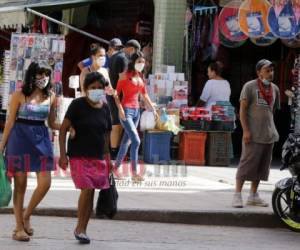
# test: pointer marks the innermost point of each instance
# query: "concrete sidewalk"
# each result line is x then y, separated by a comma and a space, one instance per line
203, 196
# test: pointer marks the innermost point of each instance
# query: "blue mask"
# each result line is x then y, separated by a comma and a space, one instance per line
266, 82
97, 95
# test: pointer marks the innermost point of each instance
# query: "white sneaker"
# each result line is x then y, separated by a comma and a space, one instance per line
255, 200
237, 200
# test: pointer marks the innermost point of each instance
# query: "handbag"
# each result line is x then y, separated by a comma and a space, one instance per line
108, 200
5, 186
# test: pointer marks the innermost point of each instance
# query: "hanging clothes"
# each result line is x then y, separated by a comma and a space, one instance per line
215, 40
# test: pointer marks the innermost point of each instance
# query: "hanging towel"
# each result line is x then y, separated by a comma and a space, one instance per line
282, 19
253, 17
229, 22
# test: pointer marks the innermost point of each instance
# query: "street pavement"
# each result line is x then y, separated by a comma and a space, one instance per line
192, 195
53, 233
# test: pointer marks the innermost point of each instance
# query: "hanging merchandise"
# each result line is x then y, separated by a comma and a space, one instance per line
4, 88
26, 48
296, 6
282, 19
215, 40
228, 43
229, 22
253, 17
264, 41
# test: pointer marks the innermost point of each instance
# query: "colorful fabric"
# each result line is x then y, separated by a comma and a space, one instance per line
253, 17
228, 43
229, 22
89, 173
35, 112
282, 19
267, 94
267, 40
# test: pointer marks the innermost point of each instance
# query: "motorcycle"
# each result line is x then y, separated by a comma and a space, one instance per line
286, 196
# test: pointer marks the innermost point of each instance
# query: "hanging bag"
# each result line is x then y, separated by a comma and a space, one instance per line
5, 186
108, 200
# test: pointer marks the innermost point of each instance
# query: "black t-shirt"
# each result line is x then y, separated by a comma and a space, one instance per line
91, 125
117, 64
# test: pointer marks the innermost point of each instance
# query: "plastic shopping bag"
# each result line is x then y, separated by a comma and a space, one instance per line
147, 121
5, 186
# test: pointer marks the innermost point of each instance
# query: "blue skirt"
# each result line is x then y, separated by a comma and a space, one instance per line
29, 149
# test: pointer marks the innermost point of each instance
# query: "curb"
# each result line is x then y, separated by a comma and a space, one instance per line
216, 218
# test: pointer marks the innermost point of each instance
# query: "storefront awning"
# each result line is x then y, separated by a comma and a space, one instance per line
12, 11
66, 25
49, 5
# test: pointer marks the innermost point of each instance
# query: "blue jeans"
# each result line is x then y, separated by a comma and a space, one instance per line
130, 137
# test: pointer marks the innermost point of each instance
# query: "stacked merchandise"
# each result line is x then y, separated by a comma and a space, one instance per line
223, 117
4, 86
194, 118
168, 88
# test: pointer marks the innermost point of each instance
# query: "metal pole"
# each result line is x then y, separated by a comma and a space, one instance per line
66, 25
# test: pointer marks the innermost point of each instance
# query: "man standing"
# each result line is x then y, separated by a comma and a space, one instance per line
117, 64
132, 46
258, 101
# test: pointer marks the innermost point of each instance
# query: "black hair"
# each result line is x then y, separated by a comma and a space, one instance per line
36, 68
133, 59
216, 67
94, 48
92, 77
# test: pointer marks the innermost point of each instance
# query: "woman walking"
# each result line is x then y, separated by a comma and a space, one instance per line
27, 143
132, 86
98, 60
88, 150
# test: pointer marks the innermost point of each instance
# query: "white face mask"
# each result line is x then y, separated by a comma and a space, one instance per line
42, 83
101, 61
139, 67
266, 82
97, 95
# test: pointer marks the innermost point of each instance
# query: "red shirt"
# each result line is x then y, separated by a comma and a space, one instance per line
131, 88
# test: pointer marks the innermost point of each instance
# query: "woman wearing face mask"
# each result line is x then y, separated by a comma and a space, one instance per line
88, 151
98, 55
132, 86
27, 143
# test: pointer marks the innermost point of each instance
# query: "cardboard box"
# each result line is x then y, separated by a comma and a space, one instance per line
180, 77
172, 76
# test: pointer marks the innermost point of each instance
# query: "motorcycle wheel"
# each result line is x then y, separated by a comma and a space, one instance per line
281, 204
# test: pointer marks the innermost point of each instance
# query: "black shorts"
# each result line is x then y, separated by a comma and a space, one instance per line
113, 110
